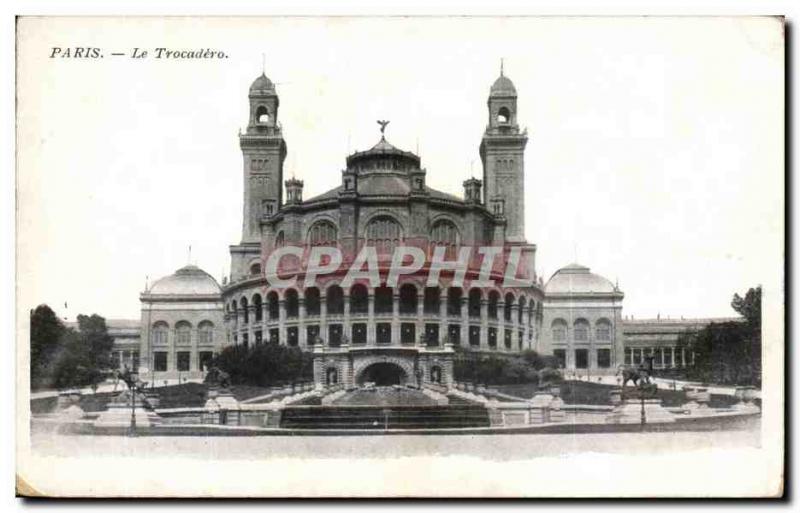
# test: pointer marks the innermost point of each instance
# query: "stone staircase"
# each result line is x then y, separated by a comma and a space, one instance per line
380, 418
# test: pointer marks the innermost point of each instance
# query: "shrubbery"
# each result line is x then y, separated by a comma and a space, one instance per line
63, 357
265, 365
527, 367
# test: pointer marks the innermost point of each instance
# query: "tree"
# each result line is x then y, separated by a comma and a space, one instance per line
265, 364
729, 352
83, 357
47, 331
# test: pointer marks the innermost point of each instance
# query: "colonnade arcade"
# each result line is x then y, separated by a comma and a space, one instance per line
408, 315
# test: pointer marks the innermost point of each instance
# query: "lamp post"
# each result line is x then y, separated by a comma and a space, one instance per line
134, 377
131, 379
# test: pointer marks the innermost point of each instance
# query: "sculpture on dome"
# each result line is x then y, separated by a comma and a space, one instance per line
383, 123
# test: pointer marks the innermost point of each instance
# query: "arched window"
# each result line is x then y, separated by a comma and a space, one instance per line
494, 298
503, 115
273, 307
444, 233
603, 329
581, 330
312, 301
258, 312
408, 299
432, 300
522, 303
205, 332
509, 302
245, 310
383, 300
279, 239
359, 302
255, 269
292, 303
160, 332
322, 233
559, 328
262, 115
454, 301
474, 303
183, 333
384, 233
334, 300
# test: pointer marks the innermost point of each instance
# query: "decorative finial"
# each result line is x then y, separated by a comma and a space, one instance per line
501, 66
383, 123
263, 63
190, 255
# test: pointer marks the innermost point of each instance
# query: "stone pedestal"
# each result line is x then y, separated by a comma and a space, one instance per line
615, 396
630, 412
67, 399
221, 408
745, 404
118, 413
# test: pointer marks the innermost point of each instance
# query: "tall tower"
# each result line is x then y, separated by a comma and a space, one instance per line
502, 153
263, 152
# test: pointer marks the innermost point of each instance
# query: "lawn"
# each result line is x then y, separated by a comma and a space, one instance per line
582, 392
187, 395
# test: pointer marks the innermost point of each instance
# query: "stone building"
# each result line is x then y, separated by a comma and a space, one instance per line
181, 325
366, 331
405, 332
582, 320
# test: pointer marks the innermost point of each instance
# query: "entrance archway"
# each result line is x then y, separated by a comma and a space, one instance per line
383, 374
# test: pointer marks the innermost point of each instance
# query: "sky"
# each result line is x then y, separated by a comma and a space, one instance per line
655, 151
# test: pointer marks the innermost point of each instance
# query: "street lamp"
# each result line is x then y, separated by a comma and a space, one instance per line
131, 379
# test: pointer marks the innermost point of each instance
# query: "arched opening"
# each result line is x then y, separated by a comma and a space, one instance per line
205, 333
521, 311
436, 374
503, 115
334, 300
262, 115
257, 310
331, 376
245, 310
358, 299
383, 374
383, 300
408, 299
494, 298
322, 233
559, 329
509, 302
384, 233
292, 303
160, 332
603, 329
312, 301
454, 301
444, 233
475, 303
581, 330
432, 298
272, 306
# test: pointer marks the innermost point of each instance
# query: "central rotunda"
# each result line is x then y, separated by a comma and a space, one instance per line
365, 331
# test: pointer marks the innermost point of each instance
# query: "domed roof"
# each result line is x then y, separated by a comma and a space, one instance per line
384, 149
189, 280
503, 86
576, 279
262, 84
